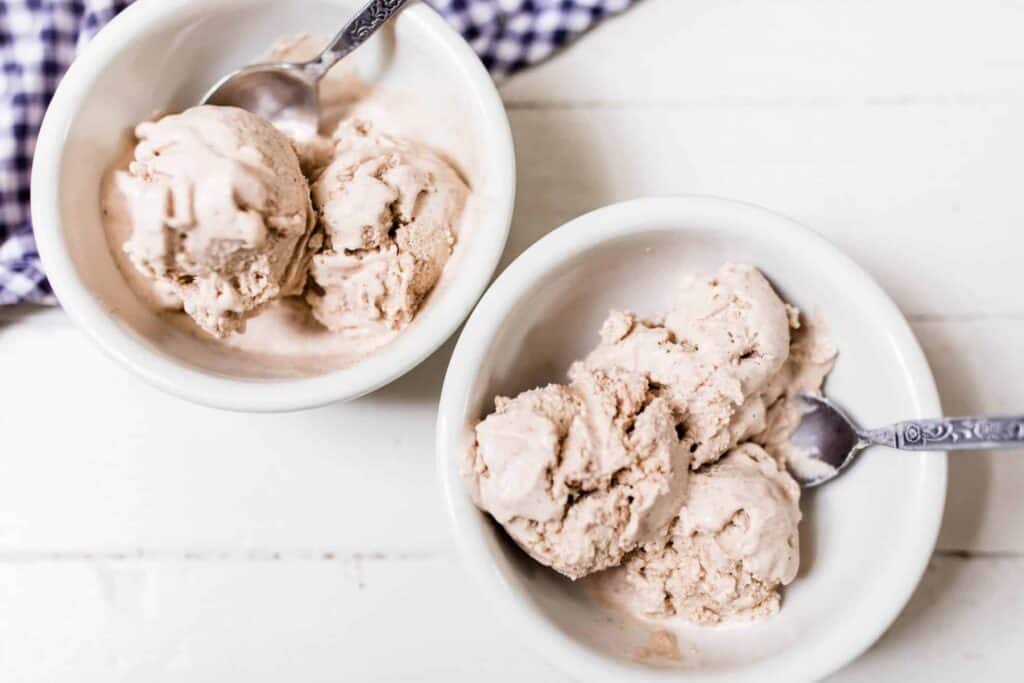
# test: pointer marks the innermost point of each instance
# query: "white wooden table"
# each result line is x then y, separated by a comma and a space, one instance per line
144, 538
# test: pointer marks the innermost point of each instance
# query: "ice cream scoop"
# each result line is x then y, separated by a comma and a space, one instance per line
221, 218
287, 94
826, 441
580, 474
389, 209
732, 546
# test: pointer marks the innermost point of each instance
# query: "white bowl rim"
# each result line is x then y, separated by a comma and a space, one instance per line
574, 238
254, 394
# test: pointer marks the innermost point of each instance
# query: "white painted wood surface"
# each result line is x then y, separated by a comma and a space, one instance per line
143, 538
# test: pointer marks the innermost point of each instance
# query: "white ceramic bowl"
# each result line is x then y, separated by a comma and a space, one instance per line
162, 55
866, 537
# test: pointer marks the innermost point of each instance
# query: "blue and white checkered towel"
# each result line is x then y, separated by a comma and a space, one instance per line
39, 38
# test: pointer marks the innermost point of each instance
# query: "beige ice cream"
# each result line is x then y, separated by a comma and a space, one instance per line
389, 210
715, 354
724, 367
221, 217
731, 547
581, 474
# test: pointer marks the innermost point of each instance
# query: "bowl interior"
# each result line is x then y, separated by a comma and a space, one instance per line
162, 55
859, 533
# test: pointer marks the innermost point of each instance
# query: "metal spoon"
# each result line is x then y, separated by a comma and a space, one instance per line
286, 94
827, 441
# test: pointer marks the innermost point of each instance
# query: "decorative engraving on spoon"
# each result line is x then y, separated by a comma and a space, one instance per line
961, 431
825, 433
375, 14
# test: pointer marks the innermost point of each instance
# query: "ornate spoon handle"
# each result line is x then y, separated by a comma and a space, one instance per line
364, 24
949, 434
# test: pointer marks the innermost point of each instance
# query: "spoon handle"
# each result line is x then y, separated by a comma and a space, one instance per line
950, 434
364, 24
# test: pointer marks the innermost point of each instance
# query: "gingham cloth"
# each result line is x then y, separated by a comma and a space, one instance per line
39, 38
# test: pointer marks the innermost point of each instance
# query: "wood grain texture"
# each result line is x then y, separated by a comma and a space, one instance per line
101, 461
320, 620
792, 52
961, 624
908, 192
376, 619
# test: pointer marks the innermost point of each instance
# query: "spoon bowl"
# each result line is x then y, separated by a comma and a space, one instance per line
825, 442
285, 94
